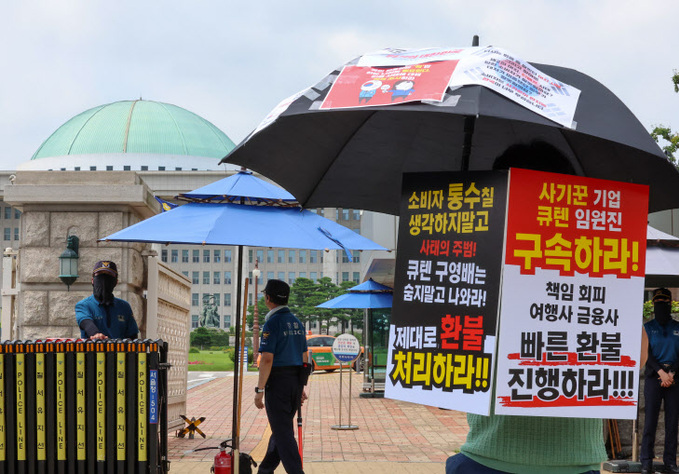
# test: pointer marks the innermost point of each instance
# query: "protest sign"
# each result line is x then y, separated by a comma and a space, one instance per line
572, 295
446, 291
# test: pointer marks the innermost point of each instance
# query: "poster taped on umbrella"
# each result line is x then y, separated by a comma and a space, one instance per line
446, 293
358, 86
572, 293
496, 69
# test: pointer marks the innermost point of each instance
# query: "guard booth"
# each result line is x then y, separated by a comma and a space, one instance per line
376, 342
71, 406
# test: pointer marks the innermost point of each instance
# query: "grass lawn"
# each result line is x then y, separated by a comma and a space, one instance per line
209, 361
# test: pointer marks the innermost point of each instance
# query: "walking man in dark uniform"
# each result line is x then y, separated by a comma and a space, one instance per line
660, 387
284, 358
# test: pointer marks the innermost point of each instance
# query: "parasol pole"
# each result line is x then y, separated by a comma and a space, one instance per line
236, 398
241, 355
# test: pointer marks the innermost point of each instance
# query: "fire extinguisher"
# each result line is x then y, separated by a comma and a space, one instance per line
222, 464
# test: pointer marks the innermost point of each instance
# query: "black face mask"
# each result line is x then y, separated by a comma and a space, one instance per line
103, 288
662, 311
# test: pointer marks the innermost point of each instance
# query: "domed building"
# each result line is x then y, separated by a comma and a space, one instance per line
170, 150
133, 135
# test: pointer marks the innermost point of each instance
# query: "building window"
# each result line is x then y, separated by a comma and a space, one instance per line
291, 256
250, 278
206, 256
251, 257
345, 257
163, 255
206, 278
8, 213
206, 298
227, 321
302, 274
260, 256
281, 276
227, 278
313, 276
313, 256
17, 214
109, 168
345, 214
357, 214
77, 168
185, 256
93, 168
174, 256
217, 299
195, 277
127, 168
227, 256
269, 276
216, 278
302, 256
196, 256
16, 233
161, 168
194, 299
281, 256
345, 276
291, 277
144, 168
269, 256
178, 168
194, 321
217, 256
356, 255
357, 277
186, 274
227, 299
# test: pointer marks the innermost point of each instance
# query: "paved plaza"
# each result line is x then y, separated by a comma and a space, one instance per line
392, 436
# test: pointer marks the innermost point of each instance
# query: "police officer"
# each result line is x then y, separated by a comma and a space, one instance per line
284, 358
660, 387
102, 315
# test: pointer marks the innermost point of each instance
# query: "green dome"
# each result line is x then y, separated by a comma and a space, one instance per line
137, 126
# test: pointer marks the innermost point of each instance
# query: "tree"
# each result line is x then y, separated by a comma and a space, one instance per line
670, 139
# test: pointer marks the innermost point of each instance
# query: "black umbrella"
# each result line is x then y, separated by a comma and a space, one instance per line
355, 157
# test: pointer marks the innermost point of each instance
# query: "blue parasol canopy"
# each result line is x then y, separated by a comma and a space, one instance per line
237, 224
242, 188
367, 295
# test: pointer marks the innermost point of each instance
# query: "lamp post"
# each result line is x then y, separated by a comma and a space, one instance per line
68, 262
255, 313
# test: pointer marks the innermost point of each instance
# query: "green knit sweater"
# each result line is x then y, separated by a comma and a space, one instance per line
535, 445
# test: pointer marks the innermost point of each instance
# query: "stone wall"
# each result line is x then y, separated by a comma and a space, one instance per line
90, 206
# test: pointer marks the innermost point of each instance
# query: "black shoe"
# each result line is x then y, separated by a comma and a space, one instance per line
646, 470
672, 469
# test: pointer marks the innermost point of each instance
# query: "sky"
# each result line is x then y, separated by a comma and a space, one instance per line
232, 62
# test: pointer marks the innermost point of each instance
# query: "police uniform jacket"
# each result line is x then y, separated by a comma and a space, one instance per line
283, 335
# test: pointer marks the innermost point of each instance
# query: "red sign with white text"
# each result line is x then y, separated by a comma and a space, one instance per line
572, 293
358, 86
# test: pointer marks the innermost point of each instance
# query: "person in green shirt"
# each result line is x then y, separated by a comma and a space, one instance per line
499, 444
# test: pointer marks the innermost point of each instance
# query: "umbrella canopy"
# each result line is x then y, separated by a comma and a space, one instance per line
662, 267
355, 157
242, 188
236, 224
662, 259
209, 221
367, 295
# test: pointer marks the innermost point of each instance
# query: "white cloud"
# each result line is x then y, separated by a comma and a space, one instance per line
233, 61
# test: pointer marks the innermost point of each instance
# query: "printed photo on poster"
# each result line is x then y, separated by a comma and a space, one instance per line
358, 86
